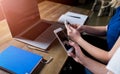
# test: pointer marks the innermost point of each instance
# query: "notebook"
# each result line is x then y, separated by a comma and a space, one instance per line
25, 24
18, 61
73, 18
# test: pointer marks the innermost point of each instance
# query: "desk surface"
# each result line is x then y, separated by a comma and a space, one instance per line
48, 11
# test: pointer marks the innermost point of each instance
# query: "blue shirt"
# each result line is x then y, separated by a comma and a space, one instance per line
113, 30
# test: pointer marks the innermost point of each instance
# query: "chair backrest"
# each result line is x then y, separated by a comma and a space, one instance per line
20, 14
113, 3
117, 4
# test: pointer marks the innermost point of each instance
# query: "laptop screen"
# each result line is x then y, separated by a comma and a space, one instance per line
34, 31
25, 23
20, 15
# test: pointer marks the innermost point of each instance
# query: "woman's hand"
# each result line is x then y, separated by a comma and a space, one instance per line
72, 32
78, 27
77, 55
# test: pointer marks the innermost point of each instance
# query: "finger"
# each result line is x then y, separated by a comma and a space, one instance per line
75, 26
78, 27
71, 28
75, 45
68, 29
71, 42
66, 24
70, 54
76, 59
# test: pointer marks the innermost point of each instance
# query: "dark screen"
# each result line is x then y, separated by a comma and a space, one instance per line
64, 39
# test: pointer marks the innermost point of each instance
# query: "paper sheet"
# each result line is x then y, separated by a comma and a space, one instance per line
73, 18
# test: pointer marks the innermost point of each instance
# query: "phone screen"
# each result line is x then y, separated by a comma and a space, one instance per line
64, 39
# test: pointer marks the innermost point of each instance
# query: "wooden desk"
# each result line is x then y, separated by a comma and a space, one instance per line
48, 11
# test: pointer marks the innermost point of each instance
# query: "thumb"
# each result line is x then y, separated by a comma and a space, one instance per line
73, 44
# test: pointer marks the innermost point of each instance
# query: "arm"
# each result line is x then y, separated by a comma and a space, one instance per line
96, 52
94, 30
94, 66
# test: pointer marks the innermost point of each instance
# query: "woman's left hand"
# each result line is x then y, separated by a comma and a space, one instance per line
77, 55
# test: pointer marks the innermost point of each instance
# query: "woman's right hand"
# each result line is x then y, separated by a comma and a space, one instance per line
72, 32
78, 27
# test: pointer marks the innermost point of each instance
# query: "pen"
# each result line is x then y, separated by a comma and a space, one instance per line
31, 47
74, 16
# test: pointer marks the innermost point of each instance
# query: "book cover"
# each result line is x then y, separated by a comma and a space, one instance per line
73, 18
19, 61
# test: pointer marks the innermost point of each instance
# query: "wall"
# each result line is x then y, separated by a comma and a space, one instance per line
1, 14
82, 1
39, 1
68, 2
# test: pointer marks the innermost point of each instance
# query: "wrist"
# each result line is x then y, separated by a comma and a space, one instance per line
78, 39
82, 58
83, 28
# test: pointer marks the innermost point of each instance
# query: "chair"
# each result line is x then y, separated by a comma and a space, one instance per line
110, 3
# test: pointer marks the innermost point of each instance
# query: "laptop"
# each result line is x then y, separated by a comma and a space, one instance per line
25, 24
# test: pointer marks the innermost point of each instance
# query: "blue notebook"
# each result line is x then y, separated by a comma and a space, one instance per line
19, 61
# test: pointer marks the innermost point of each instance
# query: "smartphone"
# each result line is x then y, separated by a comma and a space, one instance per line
63, 39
